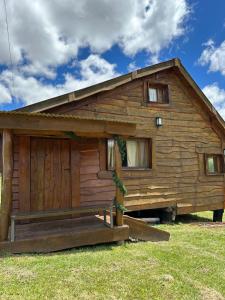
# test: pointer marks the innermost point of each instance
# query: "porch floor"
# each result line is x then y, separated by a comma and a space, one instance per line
57, 235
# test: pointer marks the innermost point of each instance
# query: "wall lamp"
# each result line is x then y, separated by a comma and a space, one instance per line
158, 122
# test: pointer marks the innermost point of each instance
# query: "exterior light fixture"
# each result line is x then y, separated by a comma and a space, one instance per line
158, 121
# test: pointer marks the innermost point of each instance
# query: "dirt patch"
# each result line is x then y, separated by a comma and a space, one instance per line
210, 294
209, 224
20, 273
167, 278
153, 262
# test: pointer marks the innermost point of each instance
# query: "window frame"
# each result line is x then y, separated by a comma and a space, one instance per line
149, 140
219, 162
163, 86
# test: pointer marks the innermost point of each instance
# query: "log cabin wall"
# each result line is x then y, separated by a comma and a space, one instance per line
15, 179
178, 171
0, 166
1, 154
51, 173
92, 189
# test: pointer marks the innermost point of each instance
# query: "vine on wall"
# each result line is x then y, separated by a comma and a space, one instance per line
118, 182
122, 146
119, 206
72, 135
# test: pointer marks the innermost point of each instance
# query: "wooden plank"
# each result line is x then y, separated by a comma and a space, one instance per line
6, 192
66, 191
140, 230
57, 174
49, 185
37, 174
75, 174
182, 209
88, 236
102, 154
146, 206
50, 174
1, 152
60, 212
24, 173
81, 127
119, 195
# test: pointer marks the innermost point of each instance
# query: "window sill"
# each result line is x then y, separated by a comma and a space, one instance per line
127, 173
156, 104
149, 103
215, 174
135, 169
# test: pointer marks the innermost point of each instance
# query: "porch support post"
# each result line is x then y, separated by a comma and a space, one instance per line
119, 195
6, 193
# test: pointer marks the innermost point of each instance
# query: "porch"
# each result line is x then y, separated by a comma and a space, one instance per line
55, 235
51, 163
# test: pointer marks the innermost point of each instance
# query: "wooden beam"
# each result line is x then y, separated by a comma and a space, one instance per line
139, 229
222, 149
84, 127
7, 169
75, 174
119, 195
82, 233
24, 173
183, 210
102, 154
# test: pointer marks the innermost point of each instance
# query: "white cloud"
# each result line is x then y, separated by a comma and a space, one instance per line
132, 67
94, 69
36, 68
5, 96
214, 57
155, 28
49, 33
217, 96
154, 59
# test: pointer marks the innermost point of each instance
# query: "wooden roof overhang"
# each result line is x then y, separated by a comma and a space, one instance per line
175, 64
54, 124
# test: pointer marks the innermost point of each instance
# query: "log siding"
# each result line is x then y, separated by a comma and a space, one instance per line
178, 170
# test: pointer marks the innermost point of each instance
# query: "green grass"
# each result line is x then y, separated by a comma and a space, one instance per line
190, 266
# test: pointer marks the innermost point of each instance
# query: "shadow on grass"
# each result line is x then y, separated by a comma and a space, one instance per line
191, 218
71, 251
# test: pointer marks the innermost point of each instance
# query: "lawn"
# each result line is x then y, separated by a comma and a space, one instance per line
190, 266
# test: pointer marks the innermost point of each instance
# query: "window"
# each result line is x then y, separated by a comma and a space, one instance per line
137, 154
214, 164
152, 95
157, 93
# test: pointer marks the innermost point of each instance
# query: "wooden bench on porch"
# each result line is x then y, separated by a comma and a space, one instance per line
25, 216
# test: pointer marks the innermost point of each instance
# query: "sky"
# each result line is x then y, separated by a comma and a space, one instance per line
59, 46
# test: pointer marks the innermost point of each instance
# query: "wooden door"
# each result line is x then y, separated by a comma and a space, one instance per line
50, 174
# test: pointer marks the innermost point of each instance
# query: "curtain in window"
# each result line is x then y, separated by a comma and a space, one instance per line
132, 155
143, 154
111, 155
137, 153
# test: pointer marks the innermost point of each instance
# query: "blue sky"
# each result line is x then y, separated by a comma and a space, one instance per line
60, 46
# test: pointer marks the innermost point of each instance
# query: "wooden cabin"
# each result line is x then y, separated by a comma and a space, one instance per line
58, 157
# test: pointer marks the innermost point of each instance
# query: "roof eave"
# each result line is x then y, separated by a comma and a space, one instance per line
97, 88
115, 82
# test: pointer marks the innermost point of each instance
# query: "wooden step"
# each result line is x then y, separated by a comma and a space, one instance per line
138, 229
